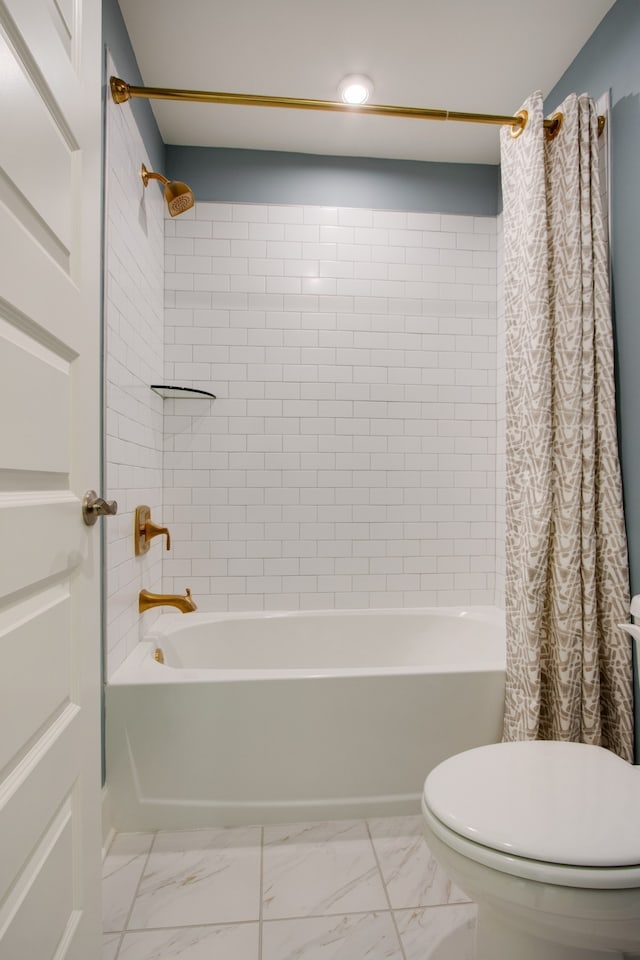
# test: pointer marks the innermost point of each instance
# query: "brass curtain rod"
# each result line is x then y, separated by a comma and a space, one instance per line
121, 91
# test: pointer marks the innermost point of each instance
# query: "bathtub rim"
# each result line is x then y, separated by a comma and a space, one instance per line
141, 669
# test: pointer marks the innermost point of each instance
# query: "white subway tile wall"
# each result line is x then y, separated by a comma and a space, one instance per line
349, 459
134, 282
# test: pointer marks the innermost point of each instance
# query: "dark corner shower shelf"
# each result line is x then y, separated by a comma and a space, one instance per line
187, 393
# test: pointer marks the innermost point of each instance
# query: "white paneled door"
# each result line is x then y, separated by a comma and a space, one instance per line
50, 70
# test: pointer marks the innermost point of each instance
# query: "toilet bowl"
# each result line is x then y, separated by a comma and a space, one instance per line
545, 837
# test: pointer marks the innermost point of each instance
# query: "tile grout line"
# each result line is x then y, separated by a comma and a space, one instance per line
386, 892
298, 916
260, 892
261, 919
135, 895
120, 936
189, 926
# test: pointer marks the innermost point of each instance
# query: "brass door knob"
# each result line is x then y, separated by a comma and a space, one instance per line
94, 506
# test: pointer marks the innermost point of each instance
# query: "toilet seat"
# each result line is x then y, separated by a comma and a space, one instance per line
565, 813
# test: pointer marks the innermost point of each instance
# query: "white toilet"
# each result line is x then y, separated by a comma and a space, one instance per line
545, 836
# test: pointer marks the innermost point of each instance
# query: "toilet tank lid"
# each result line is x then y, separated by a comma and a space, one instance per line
634, 609
554, 802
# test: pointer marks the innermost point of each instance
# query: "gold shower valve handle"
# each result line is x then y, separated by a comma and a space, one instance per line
145, 530
152, 530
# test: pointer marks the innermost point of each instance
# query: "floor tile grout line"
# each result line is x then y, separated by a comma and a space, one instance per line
261, 920
362, 913
386, 892
120, 935
121, 930
183, 926
140, 878
260, 893
299, 916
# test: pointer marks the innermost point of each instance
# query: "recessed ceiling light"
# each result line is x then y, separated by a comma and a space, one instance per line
355, 89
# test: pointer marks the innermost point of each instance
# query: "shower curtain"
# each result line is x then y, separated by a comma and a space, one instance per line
567, 586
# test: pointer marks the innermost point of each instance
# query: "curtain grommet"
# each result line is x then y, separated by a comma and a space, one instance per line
551, 132
519, 128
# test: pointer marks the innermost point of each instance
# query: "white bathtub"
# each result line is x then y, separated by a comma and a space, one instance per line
262, 718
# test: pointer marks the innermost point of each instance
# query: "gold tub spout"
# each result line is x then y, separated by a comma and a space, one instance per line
184, 604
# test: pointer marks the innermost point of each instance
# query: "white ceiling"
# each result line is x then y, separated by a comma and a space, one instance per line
481, 56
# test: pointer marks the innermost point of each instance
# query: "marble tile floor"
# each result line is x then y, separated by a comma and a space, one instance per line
340, 890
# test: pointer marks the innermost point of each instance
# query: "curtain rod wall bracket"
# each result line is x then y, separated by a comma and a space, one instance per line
121, 91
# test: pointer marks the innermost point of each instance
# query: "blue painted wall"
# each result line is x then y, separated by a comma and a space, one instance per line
260, 176
611, 60
116, 40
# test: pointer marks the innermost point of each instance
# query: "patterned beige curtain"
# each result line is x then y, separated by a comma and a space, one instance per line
567, 585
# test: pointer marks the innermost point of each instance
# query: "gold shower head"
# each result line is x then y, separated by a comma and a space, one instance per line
178, 195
